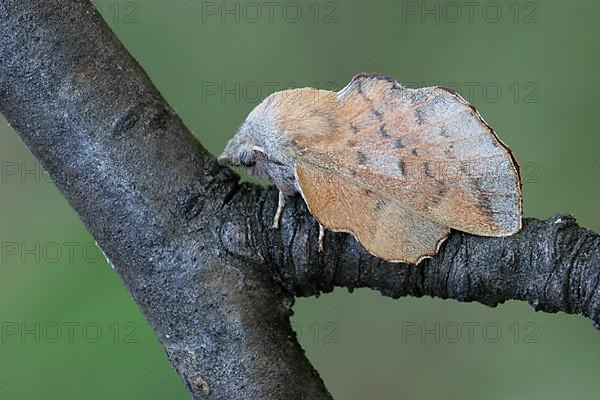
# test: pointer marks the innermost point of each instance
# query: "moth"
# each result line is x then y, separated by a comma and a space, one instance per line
395, 167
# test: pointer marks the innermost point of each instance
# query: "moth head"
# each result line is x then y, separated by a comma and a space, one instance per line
262, 148
258, 139
243, 150
241, 155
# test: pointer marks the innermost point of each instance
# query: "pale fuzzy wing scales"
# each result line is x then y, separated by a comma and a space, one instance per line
429, 149
381, 224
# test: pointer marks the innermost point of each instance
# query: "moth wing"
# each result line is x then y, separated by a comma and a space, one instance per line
381, 224
426, 148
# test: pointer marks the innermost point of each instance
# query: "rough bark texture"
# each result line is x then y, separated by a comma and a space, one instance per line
195, 248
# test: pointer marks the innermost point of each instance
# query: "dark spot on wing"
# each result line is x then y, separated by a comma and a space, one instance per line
382, 132
359, 89
414, 152
427, 169
331, 121
359, 86
401, 166
442, 190
464, 168
399, 144
362, 158
377, 114
420, 114
353, 128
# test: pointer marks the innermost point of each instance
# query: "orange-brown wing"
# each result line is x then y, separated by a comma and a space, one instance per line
381, 224
426, 148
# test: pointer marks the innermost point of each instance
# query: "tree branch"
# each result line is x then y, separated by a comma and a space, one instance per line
554, 264
195, 248
150, 196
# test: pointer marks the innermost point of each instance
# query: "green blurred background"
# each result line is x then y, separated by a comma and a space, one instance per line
70, 330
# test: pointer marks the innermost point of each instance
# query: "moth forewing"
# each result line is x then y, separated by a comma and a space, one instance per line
429, 149
381, 224
515, 222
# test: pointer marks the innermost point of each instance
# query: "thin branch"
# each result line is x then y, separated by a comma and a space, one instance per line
554, 264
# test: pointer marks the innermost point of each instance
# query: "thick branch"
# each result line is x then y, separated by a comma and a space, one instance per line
150, 195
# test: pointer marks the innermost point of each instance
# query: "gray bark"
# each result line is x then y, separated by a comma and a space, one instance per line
194, 247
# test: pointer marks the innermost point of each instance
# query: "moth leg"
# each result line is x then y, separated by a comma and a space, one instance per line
280, 206
321, 237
